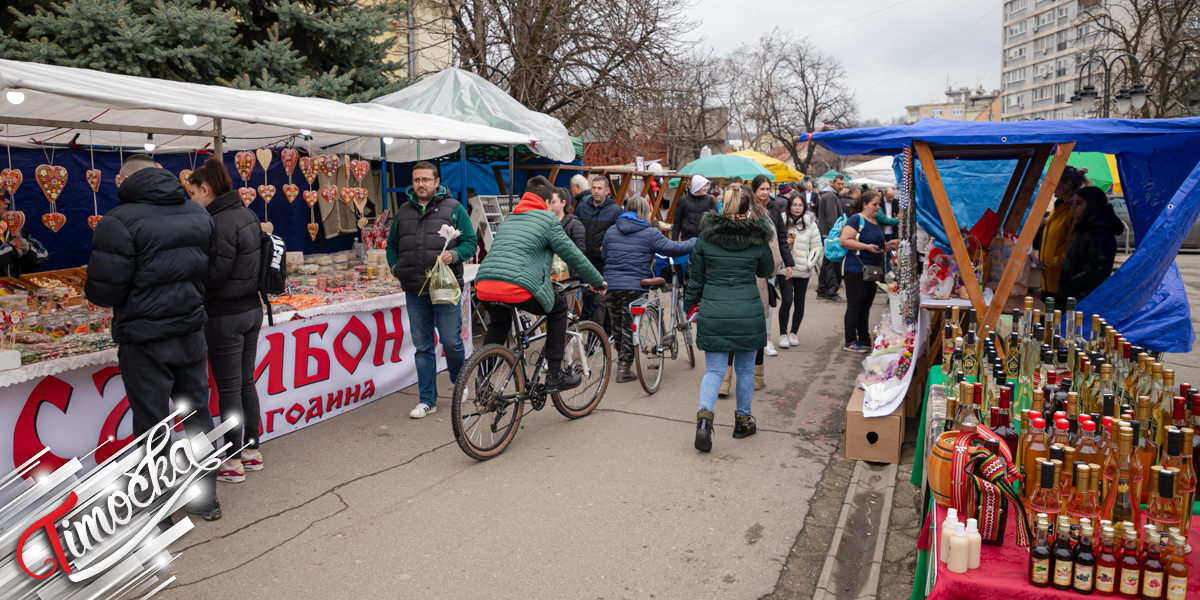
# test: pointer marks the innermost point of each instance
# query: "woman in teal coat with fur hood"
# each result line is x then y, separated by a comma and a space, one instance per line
731, 254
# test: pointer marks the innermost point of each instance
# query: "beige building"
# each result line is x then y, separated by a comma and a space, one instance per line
424, 38
962, 104
1043, 42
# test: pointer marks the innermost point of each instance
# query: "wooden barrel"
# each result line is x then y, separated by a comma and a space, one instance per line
938, 468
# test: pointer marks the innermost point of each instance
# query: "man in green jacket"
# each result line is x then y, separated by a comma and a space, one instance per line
516, 273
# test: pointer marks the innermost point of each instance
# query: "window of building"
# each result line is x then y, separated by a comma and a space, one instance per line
1045, 18
1016, 53
1017, 29
1016, 5
1015, 76
1064, 12
1016, 99
937, 112
957, 111
1043, 93
913, 115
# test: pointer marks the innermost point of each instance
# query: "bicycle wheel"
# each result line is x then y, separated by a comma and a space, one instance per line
648, 355
487, 404
687, 334
590, 356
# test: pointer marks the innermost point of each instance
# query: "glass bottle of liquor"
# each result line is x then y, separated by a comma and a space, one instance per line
1073, 416
1111, 387
1180, 441
1025, 383
1088, 449
1061, 434
951, 410
1083, 384
1156, 427
1138, 475
1045, 498
1147, 449
1177, 570
1006, 431
1077, 506
1154, 571
970, 355
1129, 574
1062, 559
947, 349
1035, 453
1121, 505
1108, 453
1164, 510
1102, 384
1179, 413
969, 415
1012, 356
1040, 555
1085, 563
1106, 562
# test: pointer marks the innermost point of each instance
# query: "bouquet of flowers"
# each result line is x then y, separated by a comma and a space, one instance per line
443, 288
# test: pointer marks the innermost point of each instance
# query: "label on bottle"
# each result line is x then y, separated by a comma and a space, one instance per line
1106, 579
1129, 581
1039, 571
1152, 585
1176, 587
1083, 578
970, 365
1062, 573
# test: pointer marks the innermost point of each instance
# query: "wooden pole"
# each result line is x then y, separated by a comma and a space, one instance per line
946, 212
218, 140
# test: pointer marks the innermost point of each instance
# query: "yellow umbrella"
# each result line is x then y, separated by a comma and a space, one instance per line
782, 171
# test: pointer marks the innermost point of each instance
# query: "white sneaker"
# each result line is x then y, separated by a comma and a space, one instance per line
421, 410
783, 342
770, 349
793, 341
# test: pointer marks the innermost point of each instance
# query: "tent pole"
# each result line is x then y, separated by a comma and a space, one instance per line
462, 173
511, 183
218, 140
383, 176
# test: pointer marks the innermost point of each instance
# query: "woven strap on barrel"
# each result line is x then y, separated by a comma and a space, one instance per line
960, 488
1012, 472
990, 477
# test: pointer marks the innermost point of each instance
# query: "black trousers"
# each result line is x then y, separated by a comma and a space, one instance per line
232, 344
556, 326
622, 321
830, 278
791, 295
173, 369
859, 297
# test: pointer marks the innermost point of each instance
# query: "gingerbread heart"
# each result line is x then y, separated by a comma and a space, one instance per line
329, 164
347, 195
184, 177
291, 190
310, 197
267, 192
247, 194
360, 169
3, 228
360, 199
289, 156
244, 161
309, 167
312, 231
92, 220
11, 179
329, 193
52, 179
264, 157
15, 220
54, 221
93, 179
267, 226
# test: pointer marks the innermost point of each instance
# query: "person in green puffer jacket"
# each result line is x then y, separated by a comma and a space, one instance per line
516, 273
732, 252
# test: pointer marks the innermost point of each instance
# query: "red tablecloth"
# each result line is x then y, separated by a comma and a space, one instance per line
1003, 571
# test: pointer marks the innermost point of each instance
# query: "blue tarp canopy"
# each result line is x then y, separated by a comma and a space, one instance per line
1159, 165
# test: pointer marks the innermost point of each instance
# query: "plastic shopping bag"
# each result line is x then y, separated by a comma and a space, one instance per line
559, 270
443, 286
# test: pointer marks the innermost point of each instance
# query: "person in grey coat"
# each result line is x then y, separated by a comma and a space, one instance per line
829, 208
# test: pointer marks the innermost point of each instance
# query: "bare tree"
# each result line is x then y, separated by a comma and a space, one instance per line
1165, 39
692, 110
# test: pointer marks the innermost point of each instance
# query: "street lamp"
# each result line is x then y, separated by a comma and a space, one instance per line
1087, 98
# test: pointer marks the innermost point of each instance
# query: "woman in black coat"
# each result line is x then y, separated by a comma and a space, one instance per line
1093, 249
234, 311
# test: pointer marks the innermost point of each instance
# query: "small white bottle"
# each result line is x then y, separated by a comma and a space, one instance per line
947, 531
974, 544
960, 550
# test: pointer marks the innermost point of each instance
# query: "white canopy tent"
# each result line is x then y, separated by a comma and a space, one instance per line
121, 110
874, 171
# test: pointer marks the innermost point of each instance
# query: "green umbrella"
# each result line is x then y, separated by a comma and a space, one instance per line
1100, 170
830, 174
726, 166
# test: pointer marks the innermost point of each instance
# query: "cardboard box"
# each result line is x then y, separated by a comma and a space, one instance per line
876, 439
915, 398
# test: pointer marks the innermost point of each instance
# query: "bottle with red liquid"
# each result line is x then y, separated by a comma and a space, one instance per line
1129, 572
1106, 563
1005, 429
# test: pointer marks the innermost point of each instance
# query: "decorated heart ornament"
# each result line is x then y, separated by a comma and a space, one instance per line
244, 161
329, 164
15, 220
184, 177
247, 194
308, 167
3, 228
54, 221
264, 157
291, 190
360, 199
52, 179
347, 195
92, 220
11, 178
93, 179
312, 231
360, 169
289, 157
267, 192
329, 193
311, 197
267, 226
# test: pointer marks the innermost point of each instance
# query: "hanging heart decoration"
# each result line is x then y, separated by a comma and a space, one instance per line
329, 164
267, 192
289, 156
310, 197
291, 190
54, 221
15, 220
52, 179
347, 195
184, 178
267, 226
92, 220
309, 167
360, 169
329, 193
312, 231
244, 161
93, 179
360, 199
11, 178
247, 194
264, 157
3, 228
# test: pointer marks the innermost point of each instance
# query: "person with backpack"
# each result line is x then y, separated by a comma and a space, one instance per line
829, 209
231, 301
863, 238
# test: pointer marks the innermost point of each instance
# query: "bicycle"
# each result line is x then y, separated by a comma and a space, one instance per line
655, 339
493, 385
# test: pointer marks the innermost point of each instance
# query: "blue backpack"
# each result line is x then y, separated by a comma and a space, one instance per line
833, 246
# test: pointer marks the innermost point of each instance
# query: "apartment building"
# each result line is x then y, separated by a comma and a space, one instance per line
1043, 42
962, 104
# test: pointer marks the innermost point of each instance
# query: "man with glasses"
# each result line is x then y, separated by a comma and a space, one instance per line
19, 253
413, 248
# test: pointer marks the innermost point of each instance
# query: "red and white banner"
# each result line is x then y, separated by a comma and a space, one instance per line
308, 370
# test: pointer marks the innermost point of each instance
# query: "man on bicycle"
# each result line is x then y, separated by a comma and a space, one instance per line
516, 273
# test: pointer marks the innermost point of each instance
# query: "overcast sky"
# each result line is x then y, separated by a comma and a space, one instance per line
895, 52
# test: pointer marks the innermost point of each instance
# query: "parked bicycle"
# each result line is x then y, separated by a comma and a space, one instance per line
495, 382
656, 338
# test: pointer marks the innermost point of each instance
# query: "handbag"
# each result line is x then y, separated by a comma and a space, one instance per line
870, 273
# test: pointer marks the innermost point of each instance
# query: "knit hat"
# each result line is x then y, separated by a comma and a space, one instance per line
698, 183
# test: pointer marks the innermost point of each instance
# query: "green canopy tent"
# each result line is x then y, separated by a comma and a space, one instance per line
726, 166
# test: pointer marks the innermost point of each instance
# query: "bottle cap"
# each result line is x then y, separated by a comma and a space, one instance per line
951, 514
1038, 423
972, 525
1174, 442
960, 529
1005, 396
1179, 541
1050, 378
1057, 451
1166, 483
978, 387
1060, 414
1070, 304
1088, 425
1047, 477
1062, 424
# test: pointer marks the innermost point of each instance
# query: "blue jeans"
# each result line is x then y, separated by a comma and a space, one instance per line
423, 316
715, 364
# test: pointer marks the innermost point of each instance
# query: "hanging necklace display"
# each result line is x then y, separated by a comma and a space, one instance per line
11, 179
288, 157
244, 161
93, 179
52, 179
266, 190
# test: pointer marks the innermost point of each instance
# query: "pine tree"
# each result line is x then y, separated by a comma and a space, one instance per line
329, 48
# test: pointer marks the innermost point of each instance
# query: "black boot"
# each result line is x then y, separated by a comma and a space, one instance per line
704, 429
625, 373
744, 426
560, 381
